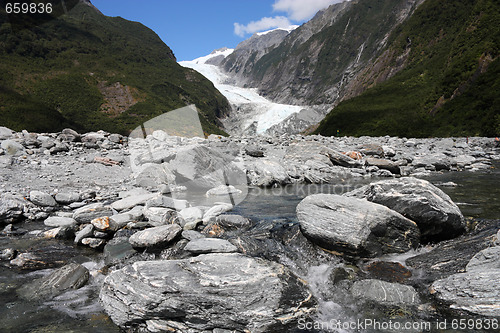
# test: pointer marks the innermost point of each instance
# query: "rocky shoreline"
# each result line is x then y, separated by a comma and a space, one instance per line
163, 204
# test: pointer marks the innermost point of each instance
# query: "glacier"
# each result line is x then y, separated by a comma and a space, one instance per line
252, 113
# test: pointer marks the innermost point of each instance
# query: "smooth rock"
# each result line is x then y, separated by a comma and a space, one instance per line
12, 147
12, 207
104, 224
229, 221
341, 159
166, 202
355, 226
86, 232
267, 172
210, 245
5, 133
487, 259
65, 198
475, 291
223, 190
59, 233
95, 243
236, 291
71, 276
156, 236
42, 199
132, 201
437, 216
215, 211
191, 214
87, 213
158, 216
385, 293
57, 221
384, 164
192, 235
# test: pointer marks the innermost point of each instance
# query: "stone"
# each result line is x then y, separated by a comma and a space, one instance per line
167, 202
355, 226
86, 232
59, 233
236, 291
215, 211
132, 201
57, 221
191, 214
156, 236
340, 159
475, 291
487, 259
385, 293
267, 172
71, 276
158, 216
104, 224
371, 149
69, 135
192, 235
60, 147
384, 164
210, 245
66, 198
437, 216
8, 254
12, 147
5, 133
95, 243
12, 207
254, 152
119, 221
223, 190
234, 222
87, 213
42, 199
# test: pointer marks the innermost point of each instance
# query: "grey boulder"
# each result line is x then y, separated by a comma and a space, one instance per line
87, 213
207, 292
355, 226
42, 199
156, 236
71, 276
57, 221
475, 291
210, 245
437, 216
11, 207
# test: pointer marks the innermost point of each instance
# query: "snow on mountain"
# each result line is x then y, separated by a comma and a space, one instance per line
216, 53
250, 110
288, 29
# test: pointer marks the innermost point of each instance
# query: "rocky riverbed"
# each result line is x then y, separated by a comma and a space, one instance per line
152, 225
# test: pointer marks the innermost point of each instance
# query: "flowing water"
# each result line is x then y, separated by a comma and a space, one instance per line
477, 194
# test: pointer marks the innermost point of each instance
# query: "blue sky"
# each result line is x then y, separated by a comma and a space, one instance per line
194, 28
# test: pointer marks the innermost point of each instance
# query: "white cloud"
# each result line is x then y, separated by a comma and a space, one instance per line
299, 10
264, 23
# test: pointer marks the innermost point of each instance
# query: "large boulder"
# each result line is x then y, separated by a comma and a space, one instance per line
11, 207
475, 291
5, 133
207, 292
42, 199
267, 172
437, 216
71, 276
355, 226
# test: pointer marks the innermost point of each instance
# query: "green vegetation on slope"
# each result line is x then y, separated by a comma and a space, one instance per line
91, 72
449, 86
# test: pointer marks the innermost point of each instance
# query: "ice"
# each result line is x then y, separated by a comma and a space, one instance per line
263, 112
